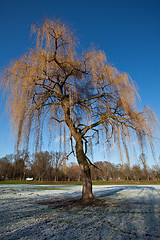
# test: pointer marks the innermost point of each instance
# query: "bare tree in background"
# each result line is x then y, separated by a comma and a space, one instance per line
57, 162
55, 85
41, 166
6, 168
20, 161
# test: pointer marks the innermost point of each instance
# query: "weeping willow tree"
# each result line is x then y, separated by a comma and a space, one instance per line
54, 83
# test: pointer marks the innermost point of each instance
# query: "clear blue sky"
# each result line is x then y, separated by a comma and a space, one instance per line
127, 30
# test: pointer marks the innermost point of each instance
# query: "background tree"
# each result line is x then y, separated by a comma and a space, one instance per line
142, 160
73, 172
137, 173
20, 161
156, 172
54, 83
41, 167
6, 168
57, 162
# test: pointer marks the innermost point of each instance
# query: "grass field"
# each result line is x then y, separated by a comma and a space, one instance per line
6, 182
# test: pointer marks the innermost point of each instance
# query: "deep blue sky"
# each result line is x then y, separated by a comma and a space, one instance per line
127, 30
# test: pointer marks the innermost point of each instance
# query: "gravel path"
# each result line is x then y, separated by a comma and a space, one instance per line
29, 212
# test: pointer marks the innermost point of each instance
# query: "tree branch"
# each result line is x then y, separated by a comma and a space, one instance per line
91, 163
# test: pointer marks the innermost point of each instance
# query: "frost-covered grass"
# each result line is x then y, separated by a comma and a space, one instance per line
30, 212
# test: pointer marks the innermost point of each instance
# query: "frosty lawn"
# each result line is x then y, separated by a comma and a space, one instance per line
30, 212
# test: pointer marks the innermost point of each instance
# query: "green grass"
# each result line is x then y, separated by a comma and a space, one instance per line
79, 183
124, 182
7, 182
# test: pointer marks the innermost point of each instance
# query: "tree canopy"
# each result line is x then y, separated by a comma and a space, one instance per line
56, 84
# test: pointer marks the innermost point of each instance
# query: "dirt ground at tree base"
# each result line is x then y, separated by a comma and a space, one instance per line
55, 203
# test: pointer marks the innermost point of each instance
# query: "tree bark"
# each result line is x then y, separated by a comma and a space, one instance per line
87, 182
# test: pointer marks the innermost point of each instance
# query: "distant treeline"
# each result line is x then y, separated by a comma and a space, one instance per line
52, 166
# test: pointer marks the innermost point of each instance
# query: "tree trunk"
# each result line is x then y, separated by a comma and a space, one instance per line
81, 158
87, 182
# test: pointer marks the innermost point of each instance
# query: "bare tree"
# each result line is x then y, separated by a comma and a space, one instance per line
41, 166
19, 165
54, 83
142, 160
73, 172
6, 168
57, 162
